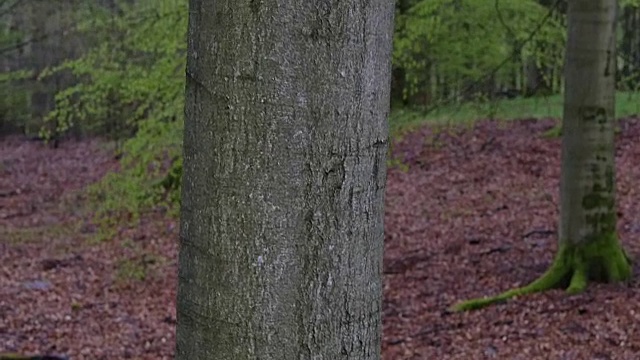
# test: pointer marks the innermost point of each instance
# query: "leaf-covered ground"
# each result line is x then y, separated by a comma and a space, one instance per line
475, 213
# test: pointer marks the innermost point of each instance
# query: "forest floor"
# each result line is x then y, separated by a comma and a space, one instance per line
473, 212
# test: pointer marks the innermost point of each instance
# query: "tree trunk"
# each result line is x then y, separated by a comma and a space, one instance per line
588, 247
630, 74
284, 175
588, 238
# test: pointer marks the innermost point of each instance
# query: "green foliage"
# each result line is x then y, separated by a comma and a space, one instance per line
15, 76
133, 73
130, 84
445, 45
14, 106
149, 177
131, 88
14, 98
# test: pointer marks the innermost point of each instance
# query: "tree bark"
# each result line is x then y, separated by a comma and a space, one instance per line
284, 175
588, 211
588, 246
630, 74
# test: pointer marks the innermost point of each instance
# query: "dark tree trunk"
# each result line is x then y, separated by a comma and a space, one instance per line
630, 49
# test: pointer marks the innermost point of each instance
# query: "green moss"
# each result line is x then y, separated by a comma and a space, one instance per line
602, 260
554, 132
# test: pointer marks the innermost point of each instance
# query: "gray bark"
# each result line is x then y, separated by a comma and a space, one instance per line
284, 175
588, 193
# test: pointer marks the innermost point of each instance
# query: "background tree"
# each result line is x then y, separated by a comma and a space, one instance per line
588, 246
629, 76
284, 177
468, 50
115, 68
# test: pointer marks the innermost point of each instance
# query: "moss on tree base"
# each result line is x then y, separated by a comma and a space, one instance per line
602, 260
554, 132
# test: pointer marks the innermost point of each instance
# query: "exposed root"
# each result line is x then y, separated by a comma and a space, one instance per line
604, 260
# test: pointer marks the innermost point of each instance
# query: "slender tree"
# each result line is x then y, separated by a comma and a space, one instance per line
588, 246
284, 175
630, 45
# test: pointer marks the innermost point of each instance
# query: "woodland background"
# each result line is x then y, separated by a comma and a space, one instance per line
89, 208
115, 69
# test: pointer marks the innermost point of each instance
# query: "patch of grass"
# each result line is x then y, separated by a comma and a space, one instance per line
627, 104
402, 121
24, 235
137, 268
130, 269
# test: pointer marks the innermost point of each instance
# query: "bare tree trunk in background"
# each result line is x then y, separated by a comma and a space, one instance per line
630, 73
284, 176
588, 246
39, 34
588, 209
41, 54
50, 23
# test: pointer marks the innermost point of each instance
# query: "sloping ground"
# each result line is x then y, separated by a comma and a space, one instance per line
476, 213
61, 293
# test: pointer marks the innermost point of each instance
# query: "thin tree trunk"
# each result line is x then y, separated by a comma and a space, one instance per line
588, 246
284, 175
630, 48
588, 211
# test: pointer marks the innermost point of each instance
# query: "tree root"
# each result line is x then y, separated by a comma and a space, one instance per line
573, 267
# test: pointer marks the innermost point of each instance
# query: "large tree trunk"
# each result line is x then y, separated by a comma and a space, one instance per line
588, 247
284, 175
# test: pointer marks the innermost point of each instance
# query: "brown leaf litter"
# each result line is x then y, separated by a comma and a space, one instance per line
476, 213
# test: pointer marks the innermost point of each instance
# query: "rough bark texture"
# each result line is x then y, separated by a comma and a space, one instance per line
588, 247
284, 176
